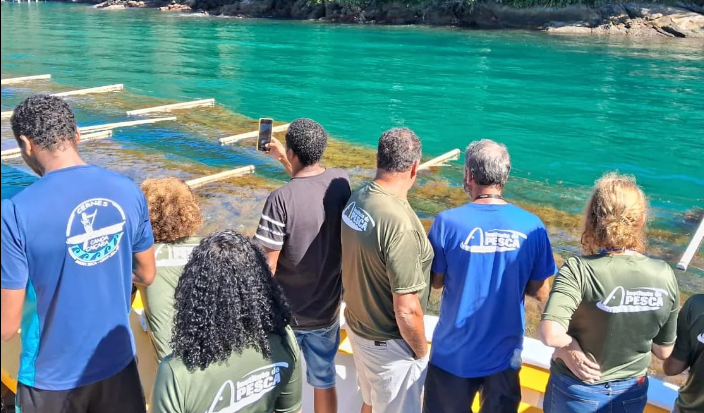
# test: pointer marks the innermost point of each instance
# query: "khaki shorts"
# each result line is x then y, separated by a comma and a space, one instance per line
390, 379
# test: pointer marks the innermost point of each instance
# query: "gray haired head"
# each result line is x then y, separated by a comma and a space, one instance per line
487, 162
399, 149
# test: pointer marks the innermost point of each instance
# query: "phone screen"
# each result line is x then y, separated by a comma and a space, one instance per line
265, 129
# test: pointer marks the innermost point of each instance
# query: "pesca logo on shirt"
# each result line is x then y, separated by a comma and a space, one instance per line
634, 300
94, 231
253, 386
495, 240
173, 255
357, 218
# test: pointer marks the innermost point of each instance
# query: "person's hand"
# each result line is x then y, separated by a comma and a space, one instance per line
275, 149
578, 362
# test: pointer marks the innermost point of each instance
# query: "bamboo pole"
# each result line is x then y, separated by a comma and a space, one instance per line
15, 152
194, 183
107, 126
101, 89
13, 80
692, 247
175, 106
236, 138
452, 155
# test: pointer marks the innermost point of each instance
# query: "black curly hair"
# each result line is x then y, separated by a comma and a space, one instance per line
46, 120
398, 149
307, 139
226, 301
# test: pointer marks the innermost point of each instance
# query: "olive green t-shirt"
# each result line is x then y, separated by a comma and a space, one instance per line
158, 298
689, 348
615, 306
384, 251
246, 383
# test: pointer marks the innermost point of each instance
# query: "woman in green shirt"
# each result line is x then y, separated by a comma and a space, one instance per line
609, 309
175, 217
233, 349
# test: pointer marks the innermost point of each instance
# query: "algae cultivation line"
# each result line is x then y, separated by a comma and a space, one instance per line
568, 108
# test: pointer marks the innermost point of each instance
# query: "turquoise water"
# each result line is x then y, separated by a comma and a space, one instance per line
568, 108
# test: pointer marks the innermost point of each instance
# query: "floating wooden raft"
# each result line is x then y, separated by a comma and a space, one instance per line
438, 161
101, 89
175, 106
107, 126
15, 152
236, 138
692, 248
194, 183
13, 80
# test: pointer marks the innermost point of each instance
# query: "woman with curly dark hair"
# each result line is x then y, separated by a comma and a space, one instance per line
175, 217
233, 349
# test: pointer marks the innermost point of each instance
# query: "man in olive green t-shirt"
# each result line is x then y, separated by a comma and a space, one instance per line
689, 353
386, 259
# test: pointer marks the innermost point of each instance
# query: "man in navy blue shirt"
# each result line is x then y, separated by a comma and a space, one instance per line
489, 254
72, 244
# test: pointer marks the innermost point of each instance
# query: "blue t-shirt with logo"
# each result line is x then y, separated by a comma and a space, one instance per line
68, 240
488, 253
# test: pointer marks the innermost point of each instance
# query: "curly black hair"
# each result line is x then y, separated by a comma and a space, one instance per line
226, 301
398, 149
46, 120
307, 139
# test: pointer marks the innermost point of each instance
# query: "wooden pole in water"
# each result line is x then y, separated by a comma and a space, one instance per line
175, 106
194, 183
13, 80
452, 155
15, 152
692, 248
101, 89
236, 138
107, 126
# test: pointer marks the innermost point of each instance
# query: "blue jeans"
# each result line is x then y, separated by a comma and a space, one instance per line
319, 348
565, 394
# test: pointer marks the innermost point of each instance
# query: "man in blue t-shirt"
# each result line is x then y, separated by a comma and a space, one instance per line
489, 254
72, 243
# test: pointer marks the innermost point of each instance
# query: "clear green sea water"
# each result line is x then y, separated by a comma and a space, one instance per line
569, 108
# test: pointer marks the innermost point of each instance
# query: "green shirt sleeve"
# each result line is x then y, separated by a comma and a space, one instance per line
290, 398
668, 332
166, 396
683, 345
566, 294
403, 262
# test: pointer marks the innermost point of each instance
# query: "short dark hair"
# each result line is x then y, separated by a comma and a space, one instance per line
398, 149
307, 139
226, 301
47, 120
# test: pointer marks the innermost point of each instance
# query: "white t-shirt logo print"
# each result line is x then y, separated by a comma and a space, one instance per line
634, 300
700, 337
495, 240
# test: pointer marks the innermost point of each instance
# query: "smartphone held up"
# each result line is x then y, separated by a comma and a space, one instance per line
265, 131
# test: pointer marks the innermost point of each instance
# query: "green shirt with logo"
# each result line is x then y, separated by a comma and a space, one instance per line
384, 251
615, 306
689, 348
245, 383
158, 298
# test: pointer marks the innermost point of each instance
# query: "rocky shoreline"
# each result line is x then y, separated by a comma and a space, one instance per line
683, 20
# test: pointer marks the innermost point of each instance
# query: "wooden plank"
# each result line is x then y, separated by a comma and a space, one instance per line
107, 126
236, 138
15, 152
452, 155
175, 106
692, 247
194, 183
13, 80
100, 89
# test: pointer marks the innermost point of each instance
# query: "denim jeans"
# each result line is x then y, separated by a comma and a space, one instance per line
565, 394
319, 348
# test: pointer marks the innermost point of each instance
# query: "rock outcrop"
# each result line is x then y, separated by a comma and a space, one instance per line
120, 4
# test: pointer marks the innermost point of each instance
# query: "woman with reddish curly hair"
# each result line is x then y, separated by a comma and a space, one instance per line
175, 217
